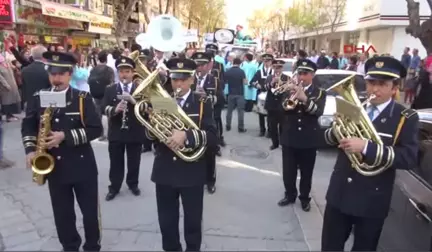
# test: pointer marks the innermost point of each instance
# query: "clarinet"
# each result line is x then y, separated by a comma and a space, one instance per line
124, 125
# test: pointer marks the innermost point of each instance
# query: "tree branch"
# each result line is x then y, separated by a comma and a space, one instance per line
168, 4
146, 11
160, 6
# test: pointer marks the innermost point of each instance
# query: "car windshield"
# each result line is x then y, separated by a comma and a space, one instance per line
325, 81
287, 67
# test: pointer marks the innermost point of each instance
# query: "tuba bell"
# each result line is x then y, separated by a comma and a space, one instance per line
165, 34
345, 126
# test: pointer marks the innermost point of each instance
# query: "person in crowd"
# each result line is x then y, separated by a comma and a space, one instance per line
10, 100
236, 79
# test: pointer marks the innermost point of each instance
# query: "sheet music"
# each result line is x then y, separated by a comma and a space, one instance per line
52, 99
348, 109
160, 104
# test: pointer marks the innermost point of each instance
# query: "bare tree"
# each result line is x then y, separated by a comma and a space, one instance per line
421, 31
123, 18
334, 11
163, 10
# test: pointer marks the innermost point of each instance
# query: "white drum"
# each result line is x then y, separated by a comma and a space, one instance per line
260, 103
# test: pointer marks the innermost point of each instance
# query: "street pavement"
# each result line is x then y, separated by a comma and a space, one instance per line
241, 215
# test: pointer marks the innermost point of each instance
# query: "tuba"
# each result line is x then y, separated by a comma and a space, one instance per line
346, 127
160, 124
43, 162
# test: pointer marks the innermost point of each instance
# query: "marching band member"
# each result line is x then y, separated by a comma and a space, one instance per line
75, 173
205, 85
175, 178
259, 81
363, 202
125, 133
300, 132
217, 69
273, 103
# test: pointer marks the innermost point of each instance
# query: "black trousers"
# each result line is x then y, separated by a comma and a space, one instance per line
262, 123
147, 144
168, 207
298, 159
337, 227
117, 164
275, 125
210, 157
218, 119
63, 204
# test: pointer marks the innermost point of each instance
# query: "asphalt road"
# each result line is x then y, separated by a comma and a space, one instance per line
241, 215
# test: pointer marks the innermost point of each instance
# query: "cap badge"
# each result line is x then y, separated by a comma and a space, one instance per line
304, 63
199, 55
123, 60
55, 58
180, 65
379, 64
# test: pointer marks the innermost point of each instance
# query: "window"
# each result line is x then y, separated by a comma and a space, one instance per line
424, 164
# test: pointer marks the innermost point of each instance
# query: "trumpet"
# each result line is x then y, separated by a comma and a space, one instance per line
291, 102
283, 87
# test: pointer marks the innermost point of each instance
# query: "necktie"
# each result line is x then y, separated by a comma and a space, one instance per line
372, 112
179, 101
125, 88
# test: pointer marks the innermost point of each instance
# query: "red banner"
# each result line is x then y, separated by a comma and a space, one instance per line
5, 12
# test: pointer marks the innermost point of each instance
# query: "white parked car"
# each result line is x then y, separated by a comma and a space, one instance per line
325, 78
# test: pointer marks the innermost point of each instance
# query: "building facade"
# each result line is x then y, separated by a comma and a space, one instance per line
375, 24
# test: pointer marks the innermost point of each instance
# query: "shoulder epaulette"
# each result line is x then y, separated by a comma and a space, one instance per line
408, 112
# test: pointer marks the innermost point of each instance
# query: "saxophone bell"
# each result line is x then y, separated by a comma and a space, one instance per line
43, 162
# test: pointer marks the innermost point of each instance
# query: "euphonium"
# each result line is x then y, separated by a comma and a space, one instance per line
161, 124
43, 163
345, 127
141, 70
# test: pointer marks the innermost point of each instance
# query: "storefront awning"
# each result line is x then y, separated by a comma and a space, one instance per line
68, 12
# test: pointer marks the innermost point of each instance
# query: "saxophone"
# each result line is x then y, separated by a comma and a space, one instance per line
43, 162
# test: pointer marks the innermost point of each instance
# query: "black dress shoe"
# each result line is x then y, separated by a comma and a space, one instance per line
211, 189
227, 128
135, 191
242, 130
218, 153
273, 147
222, 143
110, 196
285, 201
306, 206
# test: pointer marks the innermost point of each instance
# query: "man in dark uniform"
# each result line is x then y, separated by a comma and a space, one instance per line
205, 85
75, 170
300, 132
217, 70
273, 103
258, 81
362, 202
176, 178
125, 133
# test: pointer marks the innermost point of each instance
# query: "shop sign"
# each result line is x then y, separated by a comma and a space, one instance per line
67, 12
6, 16
101, 28
191, 35
33, 16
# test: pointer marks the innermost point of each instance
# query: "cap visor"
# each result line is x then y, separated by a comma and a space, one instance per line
181, 76
378, 77
57, 69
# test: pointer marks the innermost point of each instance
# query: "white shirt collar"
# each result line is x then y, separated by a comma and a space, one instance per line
184, 97
307, 87
381, 106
